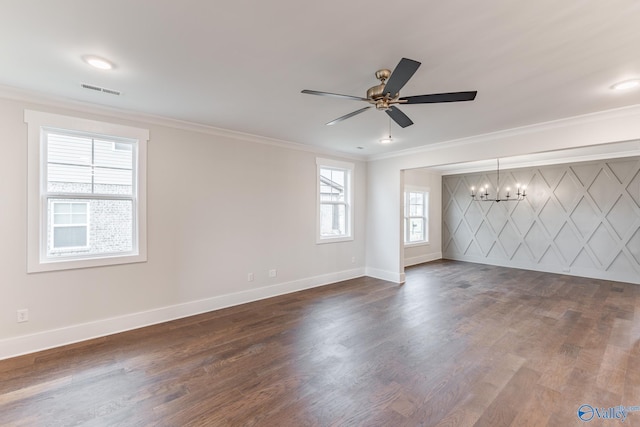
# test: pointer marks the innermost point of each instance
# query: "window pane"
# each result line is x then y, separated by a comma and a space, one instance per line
108, 154
333, 220
416, 198
68, 178
61, 219
416, 229
69, 237
415, 210
332, 185
113, 173
107, 223
76, 208
62, 208
68, 149
68, 163
112, 181
84, 165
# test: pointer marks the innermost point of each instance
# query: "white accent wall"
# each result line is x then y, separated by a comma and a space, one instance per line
580, 218
220, 206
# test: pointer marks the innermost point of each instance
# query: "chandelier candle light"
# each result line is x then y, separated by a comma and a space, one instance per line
483, 192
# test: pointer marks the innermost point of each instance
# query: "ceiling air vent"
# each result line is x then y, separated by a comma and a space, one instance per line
100, 89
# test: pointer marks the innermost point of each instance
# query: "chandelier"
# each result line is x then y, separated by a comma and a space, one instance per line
482, 194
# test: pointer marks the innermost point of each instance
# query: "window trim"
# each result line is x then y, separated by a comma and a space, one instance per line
426, 194
37, 122
348, 203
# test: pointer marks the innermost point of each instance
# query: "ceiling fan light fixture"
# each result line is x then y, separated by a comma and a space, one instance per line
97, 62
627, 84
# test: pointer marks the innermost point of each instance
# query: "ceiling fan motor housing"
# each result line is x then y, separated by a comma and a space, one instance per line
377, 95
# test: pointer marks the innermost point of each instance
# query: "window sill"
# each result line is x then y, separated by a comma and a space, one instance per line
416, 244
70, 264
334, 240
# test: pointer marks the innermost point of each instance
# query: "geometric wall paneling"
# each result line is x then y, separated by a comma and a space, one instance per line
623, 169
552, 217
618, 217
485, 237
550, 258
633, 189
601, 190
580, 218
508, 239
538, 192
536, 241
584, 173
633, 245
603, 246
584, 217
568, 244
568, 191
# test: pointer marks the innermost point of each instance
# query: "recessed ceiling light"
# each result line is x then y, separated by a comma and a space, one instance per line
627, 84
387, 140
97, 62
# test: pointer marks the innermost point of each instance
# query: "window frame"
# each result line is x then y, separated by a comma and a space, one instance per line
348, 169
38, 124
407, 218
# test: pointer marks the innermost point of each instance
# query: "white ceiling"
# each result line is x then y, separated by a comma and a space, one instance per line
241, 65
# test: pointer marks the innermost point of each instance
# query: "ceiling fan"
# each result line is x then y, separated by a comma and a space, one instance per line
386, 94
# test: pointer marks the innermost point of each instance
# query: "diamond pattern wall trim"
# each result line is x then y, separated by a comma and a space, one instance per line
581, 219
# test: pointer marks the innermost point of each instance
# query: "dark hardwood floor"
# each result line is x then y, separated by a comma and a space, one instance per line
458, 344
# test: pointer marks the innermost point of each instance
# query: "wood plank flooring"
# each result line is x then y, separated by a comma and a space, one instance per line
458, 344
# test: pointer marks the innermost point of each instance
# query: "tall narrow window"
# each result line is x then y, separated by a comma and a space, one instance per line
334, 189
416, 208
86, 193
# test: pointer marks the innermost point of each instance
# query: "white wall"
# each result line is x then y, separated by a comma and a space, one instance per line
384, 248
432, 250
219, 206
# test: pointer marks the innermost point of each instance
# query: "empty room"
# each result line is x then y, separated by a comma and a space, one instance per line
291, 213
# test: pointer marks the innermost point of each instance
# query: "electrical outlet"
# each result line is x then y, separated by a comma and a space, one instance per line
23, 315
353, 260
250, 277
273, 273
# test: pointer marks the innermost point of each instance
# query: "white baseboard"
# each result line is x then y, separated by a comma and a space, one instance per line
44, 340
389, 276
408, 262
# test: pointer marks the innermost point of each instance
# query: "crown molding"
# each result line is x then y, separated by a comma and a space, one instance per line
24, 95
631, 110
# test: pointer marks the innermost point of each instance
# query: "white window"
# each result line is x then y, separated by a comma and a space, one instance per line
334, 195
86, 193
416, 220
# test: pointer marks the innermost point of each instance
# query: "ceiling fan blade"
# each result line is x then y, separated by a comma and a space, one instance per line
440, 97
335, 95
346, 116
401, 75
399, 117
